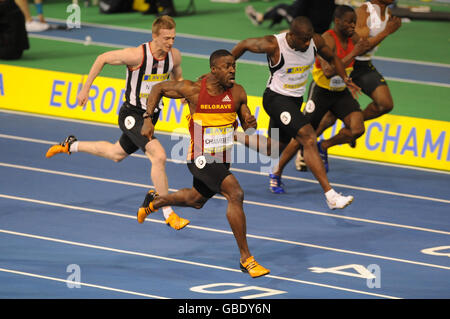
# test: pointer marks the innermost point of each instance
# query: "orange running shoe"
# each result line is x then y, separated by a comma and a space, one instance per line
252, 267
147, 206
176, 222
63, 147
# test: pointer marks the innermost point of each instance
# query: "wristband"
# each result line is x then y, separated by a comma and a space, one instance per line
146, 115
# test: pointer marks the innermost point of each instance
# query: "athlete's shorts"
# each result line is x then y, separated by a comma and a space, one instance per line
366, 76
285, 114
320, 101
130, 122
208, 175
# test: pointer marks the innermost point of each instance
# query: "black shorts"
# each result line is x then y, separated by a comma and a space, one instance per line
130, 122
285, 114
208, 175
320, 101
366, 76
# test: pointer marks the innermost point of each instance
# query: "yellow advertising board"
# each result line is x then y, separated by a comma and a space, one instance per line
390, 138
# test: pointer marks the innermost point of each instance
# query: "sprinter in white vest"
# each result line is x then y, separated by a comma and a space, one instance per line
291, 56
147, 65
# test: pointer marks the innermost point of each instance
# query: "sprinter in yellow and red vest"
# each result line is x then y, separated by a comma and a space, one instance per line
215, 101
374, 22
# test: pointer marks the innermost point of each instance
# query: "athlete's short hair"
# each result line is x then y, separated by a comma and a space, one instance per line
216, 55
163, 22
341, 10
300, 25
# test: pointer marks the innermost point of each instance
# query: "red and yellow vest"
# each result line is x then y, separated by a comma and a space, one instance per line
212, 125
335, 83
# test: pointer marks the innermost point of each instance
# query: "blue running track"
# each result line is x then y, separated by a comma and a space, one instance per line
71, 220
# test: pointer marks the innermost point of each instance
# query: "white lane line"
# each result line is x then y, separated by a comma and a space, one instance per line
64, 39
186, 35
111, 45
382, 58
123, 28
182, 261
290, 242
367, 189
100, 179
431, 83
415, 168
205, 56
246, 171
64, 119
281, 207
129, 292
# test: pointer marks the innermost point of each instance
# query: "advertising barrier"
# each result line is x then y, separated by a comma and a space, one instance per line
390, 138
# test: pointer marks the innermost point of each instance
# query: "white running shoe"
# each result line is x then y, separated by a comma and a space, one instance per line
36, 26
337, 200
300, 164
252, 14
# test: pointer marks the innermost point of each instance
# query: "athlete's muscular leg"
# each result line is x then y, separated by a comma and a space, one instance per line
185, 197
104, 149
382, 103
327, 121
157, 155
354, 128
288, 153
307, 137
234, 194
259, 143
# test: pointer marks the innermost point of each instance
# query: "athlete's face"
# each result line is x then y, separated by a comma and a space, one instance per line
224, 70
164, 39
300, 41
346, 24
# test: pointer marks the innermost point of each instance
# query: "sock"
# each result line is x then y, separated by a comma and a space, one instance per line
39, 8
166, 211
330, 194
73, 147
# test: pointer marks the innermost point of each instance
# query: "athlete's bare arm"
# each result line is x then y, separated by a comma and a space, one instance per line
361, 46
131, 57
327, 68
177, 73
362, 29
171, 89
244, 113
328, 55
267, 44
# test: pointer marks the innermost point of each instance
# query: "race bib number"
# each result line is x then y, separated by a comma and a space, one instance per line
337, 83
218, 139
